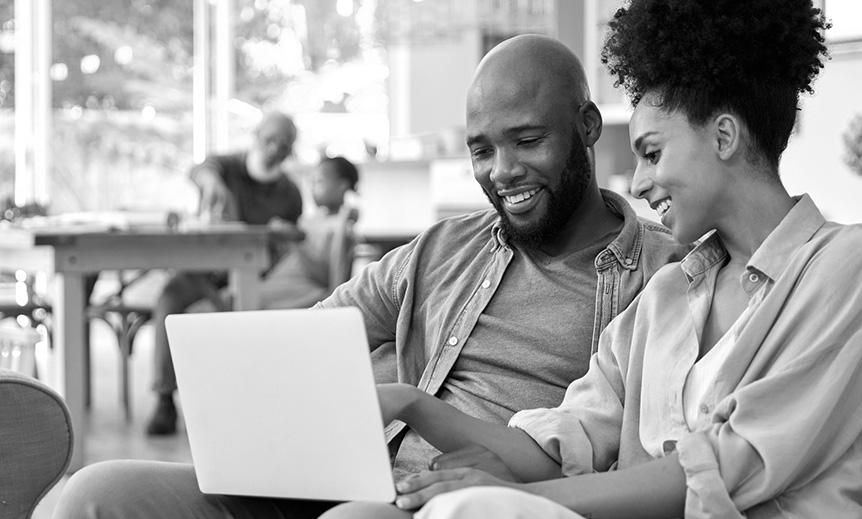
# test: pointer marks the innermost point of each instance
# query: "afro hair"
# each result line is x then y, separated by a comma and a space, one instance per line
753, 57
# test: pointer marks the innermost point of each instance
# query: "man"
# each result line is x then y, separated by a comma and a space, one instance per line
492, 312
250, 187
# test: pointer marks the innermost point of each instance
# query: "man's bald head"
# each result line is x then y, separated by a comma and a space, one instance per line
531, 65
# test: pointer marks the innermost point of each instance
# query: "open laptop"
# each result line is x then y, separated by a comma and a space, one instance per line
281, 403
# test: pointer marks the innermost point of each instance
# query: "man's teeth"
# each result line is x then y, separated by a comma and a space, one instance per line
662, 207
520, 197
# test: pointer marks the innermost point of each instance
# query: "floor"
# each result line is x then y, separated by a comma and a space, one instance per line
110, 436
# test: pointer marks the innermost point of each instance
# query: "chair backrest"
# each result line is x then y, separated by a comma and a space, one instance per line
36, 446
342, 248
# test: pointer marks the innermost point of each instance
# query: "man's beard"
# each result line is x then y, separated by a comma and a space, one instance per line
562, 202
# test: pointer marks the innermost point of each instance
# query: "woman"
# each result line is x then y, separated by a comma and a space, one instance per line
732, 385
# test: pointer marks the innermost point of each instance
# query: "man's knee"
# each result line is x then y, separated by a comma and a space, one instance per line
88, 490
129, 489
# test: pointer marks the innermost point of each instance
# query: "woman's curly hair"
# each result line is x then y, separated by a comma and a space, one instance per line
751, 57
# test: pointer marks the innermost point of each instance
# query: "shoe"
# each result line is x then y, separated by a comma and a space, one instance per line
164, 421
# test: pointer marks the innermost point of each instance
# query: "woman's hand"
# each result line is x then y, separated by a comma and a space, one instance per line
474, 456
417, 490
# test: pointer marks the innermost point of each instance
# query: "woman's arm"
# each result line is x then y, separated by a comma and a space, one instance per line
656, 489
449, 429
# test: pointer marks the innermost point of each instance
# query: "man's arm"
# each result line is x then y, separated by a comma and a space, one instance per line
216, 200
449, 429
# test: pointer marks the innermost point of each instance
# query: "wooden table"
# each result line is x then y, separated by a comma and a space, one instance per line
69, 253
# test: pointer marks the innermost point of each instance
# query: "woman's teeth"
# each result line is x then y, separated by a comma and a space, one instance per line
520, 197
663, 207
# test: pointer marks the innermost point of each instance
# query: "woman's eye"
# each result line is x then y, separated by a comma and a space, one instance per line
652, 157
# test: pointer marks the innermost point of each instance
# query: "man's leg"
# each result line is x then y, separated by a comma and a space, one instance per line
180, 292
133, 489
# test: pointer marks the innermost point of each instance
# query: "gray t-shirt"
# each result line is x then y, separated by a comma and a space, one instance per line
531, 341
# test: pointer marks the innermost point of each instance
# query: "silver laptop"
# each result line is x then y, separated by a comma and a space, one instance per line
281, 403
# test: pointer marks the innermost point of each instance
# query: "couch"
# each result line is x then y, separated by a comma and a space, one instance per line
35, 443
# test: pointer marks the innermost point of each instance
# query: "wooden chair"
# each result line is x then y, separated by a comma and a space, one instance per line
125, 319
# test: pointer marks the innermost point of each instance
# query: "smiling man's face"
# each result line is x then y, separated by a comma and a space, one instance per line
526, 153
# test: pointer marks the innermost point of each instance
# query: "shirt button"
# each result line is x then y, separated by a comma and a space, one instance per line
628, 261
453, 341
486, 284
704, 408
754, 278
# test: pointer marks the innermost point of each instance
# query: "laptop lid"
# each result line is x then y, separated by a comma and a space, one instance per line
281, 403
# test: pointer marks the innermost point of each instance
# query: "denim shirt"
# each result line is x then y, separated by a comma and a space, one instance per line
421, 301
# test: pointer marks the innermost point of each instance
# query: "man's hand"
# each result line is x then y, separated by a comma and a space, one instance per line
417, 490
476, 457
217, 202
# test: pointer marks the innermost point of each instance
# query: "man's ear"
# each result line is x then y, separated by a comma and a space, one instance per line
592, 118
728, 131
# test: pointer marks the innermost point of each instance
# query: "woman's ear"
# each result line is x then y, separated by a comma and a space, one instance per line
728, 135
592, 118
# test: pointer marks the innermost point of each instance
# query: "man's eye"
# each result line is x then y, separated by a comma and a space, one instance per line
529, 141
481, 153
652, 156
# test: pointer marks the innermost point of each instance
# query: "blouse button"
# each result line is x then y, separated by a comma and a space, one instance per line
628, 261
486, 284
453, 341
754, 278
704, 408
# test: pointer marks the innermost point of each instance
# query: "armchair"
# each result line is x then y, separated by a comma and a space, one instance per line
35, 443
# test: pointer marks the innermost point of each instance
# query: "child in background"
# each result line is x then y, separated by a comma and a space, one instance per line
301, 277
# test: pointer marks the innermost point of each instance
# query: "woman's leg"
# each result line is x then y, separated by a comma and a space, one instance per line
496, 502
133, 489
362, 510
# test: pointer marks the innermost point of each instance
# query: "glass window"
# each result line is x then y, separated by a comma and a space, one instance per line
320, 62
7, 105
121, 75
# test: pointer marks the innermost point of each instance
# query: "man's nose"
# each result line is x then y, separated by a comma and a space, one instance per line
507, 167
641, 183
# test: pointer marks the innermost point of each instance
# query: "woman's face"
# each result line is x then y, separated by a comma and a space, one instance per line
677, 170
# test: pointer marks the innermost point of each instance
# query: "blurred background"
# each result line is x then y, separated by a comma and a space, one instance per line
105, 104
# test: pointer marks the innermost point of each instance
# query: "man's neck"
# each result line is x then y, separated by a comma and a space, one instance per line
588, 223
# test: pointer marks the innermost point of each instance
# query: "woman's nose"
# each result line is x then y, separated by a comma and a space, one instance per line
641, 183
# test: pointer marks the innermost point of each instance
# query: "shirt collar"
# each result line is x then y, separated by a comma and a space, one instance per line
628, 244
796, 228
708, 253
771, 258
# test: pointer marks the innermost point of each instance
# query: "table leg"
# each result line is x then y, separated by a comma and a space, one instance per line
244, 287
68, 368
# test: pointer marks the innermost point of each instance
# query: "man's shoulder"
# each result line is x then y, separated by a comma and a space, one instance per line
457, 235
465, 224
659, 243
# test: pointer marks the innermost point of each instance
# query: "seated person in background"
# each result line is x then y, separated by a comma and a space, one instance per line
301, 277
249, 187
731, 387
492, 312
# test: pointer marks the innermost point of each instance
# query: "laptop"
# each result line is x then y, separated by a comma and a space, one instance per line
281, 403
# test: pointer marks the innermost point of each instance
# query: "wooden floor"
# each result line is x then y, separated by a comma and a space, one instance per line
110, 436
